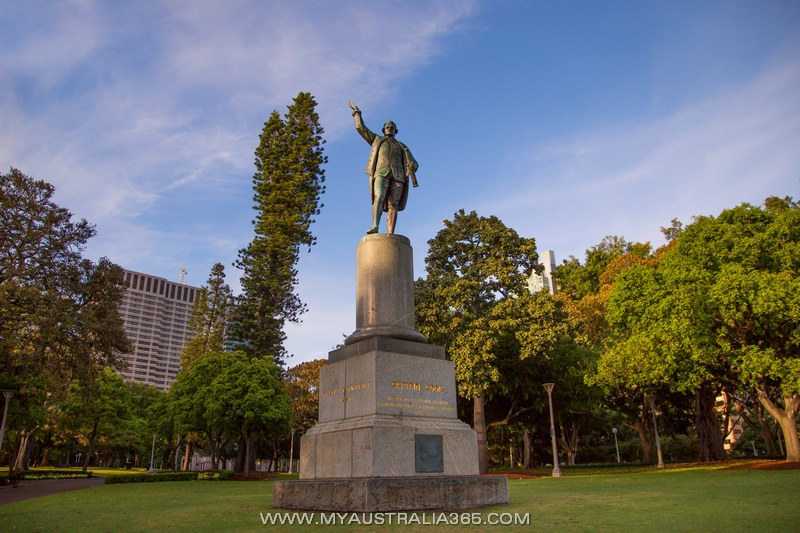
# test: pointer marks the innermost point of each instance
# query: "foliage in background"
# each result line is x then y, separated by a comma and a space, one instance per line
477, 276
302, 386
58, 311
248, 395
210, 315
719, 311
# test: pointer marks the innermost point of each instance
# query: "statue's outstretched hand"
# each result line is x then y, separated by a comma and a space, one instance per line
354, 107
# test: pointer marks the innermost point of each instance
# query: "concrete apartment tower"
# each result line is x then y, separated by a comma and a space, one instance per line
546, 280
156, 313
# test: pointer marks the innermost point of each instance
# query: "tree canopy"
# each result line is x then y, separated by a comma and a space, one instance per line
719, 309
210, 315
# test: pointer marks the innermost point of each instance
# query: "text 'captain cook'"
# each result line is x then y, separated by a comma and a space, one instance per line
389, 167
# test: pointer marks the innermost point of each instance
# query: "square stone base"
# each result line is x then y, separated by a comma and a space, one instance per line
384, 446
390, 494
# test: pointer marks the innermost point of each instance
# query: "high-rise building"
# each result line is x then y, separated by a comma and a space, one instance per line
546, 280
156, 315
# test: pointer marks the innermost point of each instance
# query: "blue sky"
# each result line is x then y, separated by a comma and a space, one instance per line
568, 120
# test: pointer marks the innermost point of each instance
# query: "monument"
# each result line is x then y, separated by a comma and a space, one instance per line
388, 436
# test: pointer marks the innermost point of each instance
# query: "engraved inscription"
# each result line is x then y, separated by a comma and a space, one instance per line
405, 385
408, 385
359, 386
419, 404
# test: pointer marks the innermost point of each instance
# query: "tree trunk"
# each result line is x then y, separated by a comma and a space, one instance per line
569, 442
248, 453
761, 422
188, 457
20, 462
787, 418
712, 447
766, 434
480, 428
46, 457
90, 448
641, 427
241, 455
526, 445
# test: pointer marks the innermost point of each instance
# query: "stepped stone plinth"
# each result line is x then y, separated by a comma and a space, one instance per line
388, 436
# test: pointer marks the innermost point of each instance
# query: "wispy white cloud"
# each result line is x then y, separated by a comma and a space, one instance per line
125, 107
630, 179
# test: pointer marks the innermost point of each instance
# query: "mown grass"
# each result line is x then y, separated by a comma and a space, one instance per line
688, 499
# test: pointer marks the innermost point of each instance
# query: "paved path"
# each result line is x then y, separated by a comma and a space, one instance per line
44, 487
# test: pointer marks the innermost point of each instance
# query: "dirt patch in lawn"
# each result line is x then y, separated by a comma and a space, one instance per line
765, 465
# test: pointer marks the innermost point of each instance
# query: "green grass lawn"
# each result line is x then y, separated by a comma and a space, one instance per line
703, 499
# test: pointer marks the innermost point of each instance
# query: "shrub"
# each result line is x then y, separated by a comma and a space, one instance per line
168, 476
51, 474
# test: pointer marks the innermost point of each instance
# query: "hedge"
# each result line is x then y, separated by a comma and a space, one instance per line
51, 474
211, 475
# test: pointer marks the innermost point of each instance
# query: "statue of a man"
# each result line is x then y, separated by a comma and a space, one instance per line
389, 167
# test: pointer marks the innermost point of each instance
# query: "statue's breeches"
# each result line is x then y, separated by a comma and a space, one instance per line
387, 191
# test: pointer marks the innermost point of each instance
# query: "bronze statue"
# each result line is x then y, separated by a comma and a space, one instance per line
389, 167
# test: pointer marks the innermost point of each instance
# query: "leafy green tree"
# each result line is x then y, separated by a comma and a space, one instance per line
719, 310
139, 425
191, 398
101, 400
476, 267
302, 386
287, 184
169, 429
58, 312
40, 256
210, 315
249, 395
587, 310
579, 280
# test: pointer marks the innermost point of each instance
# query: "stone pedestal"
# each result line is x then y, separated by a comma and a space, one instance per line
388, 436
391, 494
384, 289
378, 406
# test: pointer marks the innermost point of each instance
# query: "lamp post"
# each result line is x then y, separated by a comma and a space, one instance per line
556, 470
8, 394
291, 451
652, 401
614, 430
152, 452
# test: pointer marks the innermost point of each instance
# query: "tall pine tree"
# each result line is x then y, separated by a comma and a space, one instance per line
287, 184
209, 317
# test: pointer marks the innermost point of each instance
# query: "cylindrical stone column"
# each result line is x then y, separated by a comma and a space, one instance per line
384, 289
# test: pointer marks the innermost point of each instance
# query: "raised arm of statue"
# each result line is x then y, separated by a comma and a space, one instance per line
361, 128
